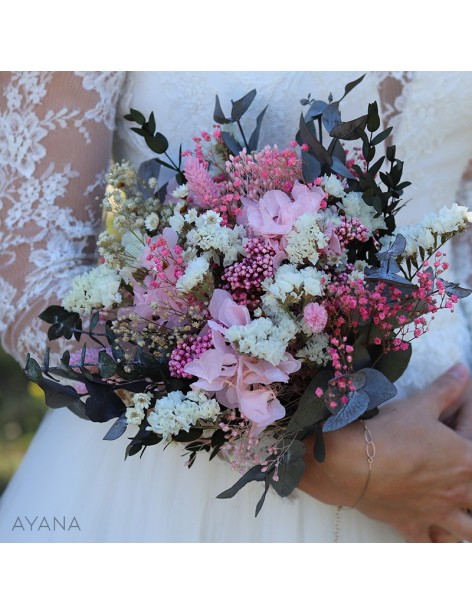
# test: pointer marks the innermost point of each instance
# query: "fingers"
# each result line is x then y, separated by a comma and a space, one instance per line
441, 536
460, 525
444, 391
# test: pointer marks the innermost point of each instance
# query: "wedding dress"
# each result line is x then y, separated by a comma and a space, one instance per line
56, 135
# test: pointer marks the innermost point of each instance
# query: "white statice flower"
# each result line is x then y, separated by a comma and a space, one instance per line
289, 283
304, 241
176, 412
194, 274
316, 349
355, 206
263, 339
142, 400
434, 229
96, 289
180, 192
448, 219
208, 235
332, 186
151, 222
313, 281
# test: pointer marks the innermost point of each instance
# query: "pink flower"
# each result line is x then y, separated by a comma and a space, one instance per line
201, 185
315, 317
274, 215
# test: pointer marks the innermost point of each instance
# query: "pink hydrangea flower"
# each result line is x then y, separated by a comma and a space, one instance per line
315, 317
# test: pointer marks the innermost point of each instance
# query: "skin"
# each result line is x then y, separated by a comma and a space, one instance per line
421, 479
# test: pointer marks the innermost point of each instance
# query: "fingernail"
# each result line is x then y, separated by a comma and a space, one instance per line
459, 372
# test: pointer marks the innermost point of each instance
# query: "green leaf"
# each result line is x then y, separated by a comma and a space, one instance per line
32, 370
255, 474
184, 436
94, 320
152, 123
350, 86
316, 109
374, 169
242, 105
316, 148
55, 331
390, 153
260, 503
350, 131
106, 365
331, 116
135, 116
218, 114
291, 469
119, 427
394, 364
311, 409
231, 143
55, 313
318, 446
381, 137
311, 168
254, 138
157, 143
341, 169
357, 404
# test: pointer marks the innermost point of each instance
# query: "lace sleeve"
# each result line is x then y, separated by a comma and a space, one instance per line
56, 133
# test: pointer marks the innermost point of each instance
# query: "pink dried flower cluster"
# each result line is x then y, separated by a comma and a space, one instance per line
244, 279
351, 230
253, 175
186, 351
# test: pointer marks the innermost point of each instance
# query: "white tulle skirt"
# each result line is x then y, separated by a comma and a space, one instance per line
82, 490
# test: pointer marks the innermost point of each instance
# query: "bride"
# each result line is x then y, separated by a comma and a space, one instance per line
57, 132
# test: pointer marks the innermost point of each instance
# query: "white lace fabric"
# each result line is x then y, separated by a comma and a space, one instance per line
56, 132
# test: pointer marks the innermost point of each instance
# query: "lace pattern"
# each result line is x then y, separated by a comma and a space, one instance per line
55, 146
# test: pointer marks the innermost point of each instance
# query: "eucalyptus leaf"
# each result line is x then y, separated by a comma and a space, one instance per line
254, 138
32, 370
453, 289
316, 148
255, 474
102, 404
331, 116
382, 136
117, 430
350, 86
242, 105
218, 114
378, 387
260, 503
57, 395
135, 116
311, 408
311, 168
352, 410
349, 131
231, 143
192, 434
316, 109
290, 469
55, 313
106, 365
94, 321
394, 364
341, 169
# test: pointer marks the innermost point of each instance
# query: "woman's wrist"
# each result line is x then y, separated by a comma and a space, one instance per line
342, 478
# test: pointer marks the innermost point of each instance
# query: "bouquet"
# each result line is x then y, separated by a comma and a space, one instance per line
258, 297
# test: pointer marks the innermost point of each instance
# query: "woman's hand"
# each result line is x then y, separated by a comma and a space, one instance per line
422, 473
